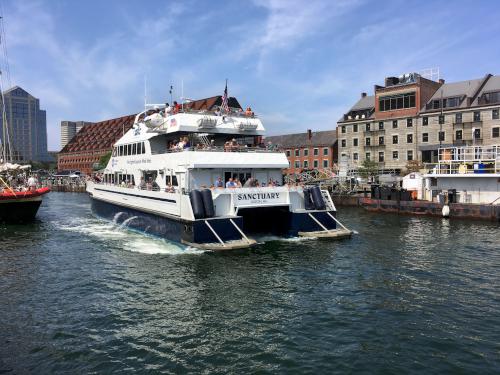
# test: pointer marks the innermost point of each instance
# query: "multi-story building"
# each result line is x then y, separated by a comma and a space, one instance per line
307, 151
91, 143
69, 130
27, 125
411, 117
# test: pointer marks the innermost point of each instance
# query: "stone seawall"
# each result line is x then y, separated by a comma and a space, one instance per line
457, 210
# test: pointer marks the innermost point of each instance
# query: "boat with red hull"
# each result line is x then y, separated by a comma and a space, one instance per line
20, 206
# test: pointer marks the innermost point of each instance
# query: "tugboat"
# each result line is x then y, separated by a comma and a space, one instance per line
202, 177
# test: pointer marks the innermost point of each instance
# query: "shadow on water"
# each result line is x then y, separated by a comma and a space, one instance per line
405, 295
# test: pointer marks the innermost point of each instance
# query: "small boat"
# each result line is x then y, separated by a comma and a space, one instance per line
20, 206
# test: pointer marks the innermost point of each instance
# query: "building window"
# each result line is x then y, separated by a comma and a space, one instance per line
325, 163
306, 152
355, 142
441, 136
297, 163
355, 156
343, 143
477, 133
395, 155
441, 119
315, 164
391, 103
368, 141
315, 152
409, 138
297, 153
425, 137
395, 124
458, 118
477, 116
409, 122
367, 156
425, 121
394, 139
409, 155
495, 114
380, 140
458, 135
381, 125
288, 153
381, 156
367, 127
343, 129
306, 164
325, 151
355, 128
495, 132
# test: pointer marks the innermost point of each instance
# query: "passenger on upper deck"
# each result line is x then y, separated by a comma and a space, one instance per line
168, 110
249, 112
142, 184
177, 107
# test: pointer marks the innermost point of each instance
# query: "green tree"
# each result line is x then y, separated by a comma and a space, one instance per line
368, 168
103, 161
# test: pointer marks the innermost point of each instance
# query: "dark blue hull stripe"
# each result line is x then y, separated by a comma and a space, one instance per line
137, 195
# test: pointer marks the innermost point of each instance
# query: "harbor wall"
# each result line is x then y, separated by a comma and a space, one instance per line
457, 210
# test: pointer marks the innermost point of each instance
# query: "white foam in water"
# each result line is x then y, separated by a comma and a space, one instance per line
268, 238
125, 238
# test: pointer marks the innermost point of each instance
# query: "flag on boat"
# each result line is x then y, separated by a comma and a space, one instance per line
224, 106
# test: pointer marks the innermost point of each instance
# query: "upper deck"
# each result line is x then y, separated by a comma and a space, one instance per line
468, 161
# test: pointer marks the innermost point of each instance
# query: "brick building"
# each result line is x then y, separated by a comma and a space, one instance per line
91, 143
411, 117
308, 151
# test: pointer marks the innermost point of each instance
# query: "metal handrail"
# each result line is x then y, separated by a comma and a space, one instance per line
218, 149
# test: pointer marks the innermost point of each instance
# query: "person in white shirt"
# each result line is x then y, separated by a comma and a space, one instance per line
168, 110
32, 183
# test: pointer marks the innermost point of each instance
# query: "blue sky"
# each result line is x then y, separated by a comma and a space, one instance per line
298, 64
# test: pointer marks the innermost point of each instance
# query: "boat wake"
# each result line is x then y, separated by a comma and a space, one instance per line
125, 238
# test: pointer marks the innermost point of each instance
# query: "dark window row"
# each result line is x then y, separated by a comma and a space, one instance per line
390, 103
130, 149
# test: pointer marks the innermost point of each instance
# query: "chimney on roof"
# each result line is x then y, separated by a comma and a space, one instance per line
363, 94
309, 134
441, 81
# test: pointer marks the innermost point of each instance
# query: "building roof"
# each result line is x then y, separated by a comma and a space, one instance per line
209, 103
321, 138
99, 136
366, 102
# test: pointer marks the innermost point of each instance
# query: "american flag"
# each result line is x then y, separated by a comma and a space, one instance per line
224, 107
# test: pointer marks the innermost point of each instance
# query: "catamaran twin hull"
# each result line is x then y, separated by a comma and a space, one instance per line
214, 233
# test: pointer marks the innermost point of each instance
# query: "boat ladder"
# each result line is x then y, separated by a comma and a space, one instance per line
243, 236
325, 229
328, 200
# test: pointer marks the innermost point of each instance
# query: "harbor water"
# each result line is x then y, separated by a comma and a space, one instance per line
405, 295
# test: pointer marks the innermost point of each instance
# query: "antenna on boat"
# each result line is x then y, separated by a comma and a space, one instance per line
145, 92
182, 95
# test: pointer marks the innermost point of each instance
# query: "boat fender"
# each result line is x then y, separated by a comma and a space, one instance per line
308, 203
446, 211
197, 204
208, 202
317, 198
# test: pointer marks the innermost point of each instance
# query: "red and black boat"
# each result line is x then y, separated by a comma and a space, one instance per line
20, 206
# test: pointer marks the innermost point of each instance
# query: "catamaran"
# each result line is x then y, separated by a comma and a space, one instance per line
204, 178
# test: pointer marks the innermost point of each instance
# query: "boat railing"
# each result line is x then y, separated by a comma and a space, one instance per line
218, 149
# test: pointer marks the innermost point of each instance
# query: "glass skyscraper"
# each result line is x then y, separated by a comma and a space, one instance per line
27, 124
